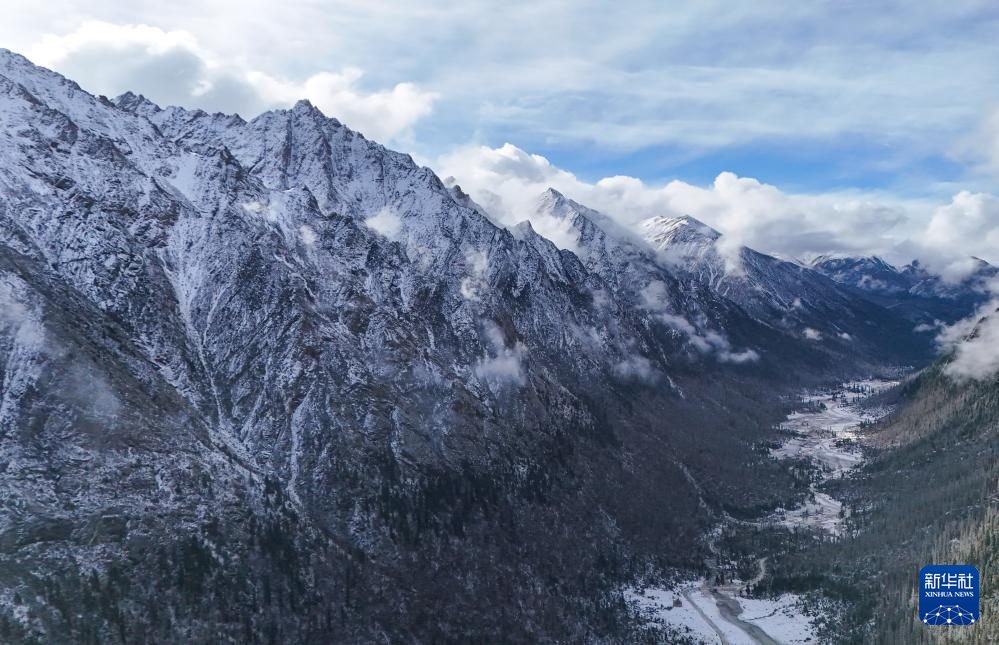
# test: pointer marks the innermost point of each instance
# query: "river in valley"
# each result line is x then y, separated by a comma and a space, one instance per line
825, 432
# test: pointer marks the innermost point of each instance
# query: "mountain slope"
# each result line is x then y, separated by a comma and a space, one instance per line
785, 295
269, 381
927, 496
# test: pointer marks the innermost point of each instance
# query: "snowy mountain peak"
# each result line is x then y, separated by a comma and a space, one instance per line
522, 229
12, 60
136, 103
918, 293
872, 262
588, 221
869, 273
552, 196
7, 55
663, 232
592, 234
305, 108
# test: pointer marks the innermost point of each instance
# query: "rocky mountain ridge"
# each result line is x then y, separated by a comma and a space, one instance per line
269, 381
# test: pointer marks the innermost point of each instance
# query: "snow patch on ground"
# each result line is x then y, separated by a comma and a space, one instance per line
732, 633
185, 175
782, 618
826, 433
699, 616
656, 606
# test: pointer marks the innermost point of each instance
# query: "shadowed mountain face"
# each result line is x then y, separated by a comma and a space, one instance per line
269, 381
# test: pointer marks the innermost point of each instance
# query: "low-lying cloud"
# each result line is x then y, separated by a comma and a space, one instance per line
17, 318
973, 344
705, 341
385, 222
307, 234
474, 283
173, 66
501, 364
970, 224
636, 368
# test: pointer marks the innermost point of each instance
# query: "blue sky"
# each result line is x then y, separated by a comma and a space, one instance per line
882, 101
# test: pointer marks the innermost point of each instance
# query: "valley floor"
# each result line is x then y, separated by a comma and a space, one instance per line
825, 433
721, 615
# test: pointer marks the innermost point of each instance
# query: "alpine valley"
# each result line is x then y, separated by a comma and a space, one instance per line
269, 381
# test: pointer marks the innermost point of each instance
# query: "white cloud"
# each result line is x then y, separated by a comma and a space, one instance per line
380, 115
254, 208
968, 225
654, 296
812, 334
506, 180
307, 234
173, 68
745, 356
270, 211
504, 365
704, 73
385, 222
720, 86
18, 318
705, 341
974, 343
636, 368
474, 283
982, 146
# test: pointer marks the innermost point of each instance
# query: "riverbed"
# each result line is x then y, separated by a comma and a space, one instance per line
827, 435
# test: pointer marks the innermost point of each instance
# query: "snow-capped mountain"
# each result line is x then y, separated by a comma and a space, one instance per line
914, 292
784, 295
871, 274
269, 380
729, 307
688, 237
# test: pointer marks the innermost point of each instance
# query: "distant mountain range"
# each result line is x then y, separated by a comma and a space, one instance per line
912, 291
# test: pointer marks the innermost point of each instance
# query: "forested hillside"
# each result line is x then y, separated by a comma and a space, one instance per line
929, 495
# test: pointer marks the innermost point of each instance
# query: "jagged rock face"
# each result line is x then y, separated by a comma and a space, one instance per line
299, 387
234, 278
914, 292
